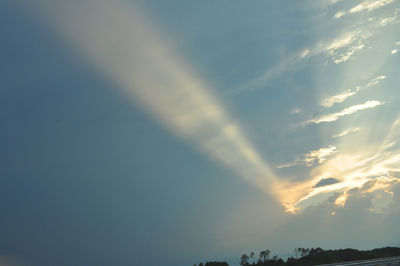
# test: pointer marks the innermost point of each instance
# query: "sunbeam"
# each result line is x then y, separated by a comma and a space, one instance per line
121, 42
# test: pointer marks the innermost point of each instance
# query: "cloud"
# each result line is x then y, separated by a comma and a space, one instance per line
346, 132
341, 97
349, 53
375, 81
330, 101
377, 165
367, 220
394, 51
281, 67
313, 157
388, 20
342, 41
368, 5
120, 41
296, 111
344, 47
347, 111
326, 182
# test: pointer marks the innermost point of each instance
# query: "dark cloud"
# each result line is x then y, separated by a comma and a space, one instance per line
326, 182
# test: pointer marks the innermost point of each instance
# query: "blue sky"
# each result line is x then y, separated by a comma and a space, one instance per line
173, 132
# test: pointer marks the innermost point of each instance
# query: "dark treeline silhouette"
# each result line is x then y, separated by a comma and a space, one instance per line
313, 256
213, 263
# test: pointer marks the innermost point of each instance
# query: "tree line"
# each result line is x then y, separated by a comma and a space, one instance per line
308, 257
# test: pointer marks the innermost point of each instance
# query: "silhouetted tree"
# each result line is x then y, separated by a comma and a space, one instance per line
216, 263
244, 260
264, 255
252, 256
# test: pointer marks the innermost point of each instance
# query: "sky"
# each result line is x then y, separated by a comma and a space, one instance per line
152, 132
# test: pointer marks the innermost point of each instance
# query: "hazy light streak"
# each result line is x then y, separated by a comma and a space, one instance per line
121, 42
347, 111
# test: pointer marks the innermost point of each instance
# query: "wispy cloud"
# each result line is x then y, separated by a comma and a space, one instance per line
346, 132
344, 47
341, 49
388, 20
282, 67
341, 97
296, 111
330, 101
368, 5
347, 111
375, 81
312, 158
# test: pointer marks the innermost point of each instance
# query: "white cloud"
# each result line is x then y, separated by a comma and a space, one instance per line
342, 41
346, 132
347, 111
330, 101
313, 157
375, 81
341, 97
394, 51
349, 53
344, 47
368, 5
386, 21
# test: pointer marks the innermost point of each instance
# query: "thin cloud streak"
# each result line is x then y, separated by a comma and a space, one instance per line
368, 5
122, 43
347, 111
375, 81
346, 132
313, 157
339, 98
341, 49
